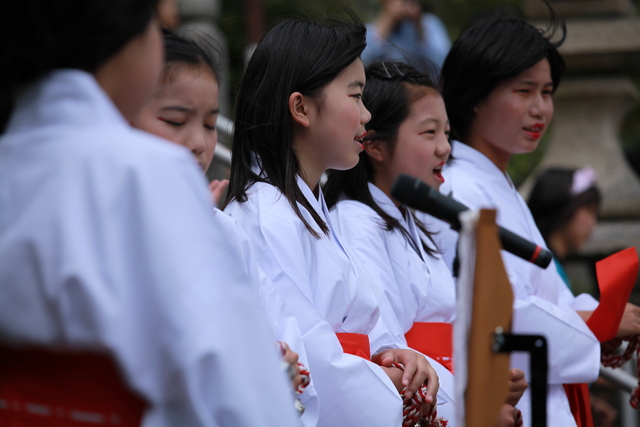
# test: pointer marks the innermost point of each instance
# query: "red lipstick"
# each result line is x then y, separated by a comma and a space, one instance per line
535, 131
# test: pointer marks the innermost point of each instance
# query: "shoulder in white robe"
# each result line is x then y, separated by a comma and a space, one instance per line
543, 304
107, 242
418, 286
284, 323
326, 294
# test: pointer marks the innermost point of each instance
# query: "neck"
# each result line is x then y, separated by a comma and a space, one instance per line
310, 168
498, 157
385, 186
310, 175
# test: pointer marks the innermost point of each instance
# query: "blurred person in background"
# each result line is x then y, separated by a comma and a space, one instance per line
564, 204
404, 31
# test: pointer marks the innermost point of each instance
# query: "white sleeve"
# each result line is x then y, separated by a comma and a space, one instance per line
363, 236
574, 353
175, 304
287, 330
351, 390
282, 321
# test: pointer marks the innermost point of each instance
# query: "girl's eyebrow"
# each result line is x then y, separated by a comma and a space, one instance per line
431, 120
182, 109
531, 83
176, 108
357, 83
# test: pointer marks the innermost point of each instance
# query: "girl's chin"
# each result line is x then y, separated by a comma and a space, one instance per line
432, 182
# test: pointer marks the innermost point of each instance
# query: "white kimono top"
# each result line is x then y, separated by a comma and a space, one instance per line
107, 242
418, 287
542, 303
284, 324
328, 294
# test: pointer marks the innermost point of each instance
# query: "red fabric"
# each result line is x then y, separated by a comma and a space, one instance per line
433, 339
356, 344
55, 389
578, 395
616, 277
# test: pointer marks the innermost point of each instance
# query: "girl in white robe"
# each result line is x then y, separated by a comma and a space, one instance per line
299, 112
183, 109
408, 134
498, 83
106, 238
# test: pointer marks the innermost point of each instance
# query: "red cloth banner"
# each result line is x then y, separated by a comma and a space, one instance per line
616, 276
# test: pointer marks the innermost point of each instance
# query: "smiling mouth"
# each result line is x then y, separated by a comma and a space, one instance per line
360, 139
535, 131
437, 172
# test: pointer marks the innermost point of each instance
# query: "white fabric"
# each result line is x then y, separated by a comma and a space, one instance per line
543, 304
327, 294
418, 286
283, 322
107, 242
462, 322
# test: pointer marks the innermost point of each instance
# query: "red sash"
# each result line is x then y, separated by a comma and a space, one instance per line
433, 339
580, 403
356, 344
55, 389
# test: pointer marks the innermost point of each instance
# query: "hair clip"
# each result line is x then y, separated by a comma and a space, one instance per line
583, 179
385, 69
398, 69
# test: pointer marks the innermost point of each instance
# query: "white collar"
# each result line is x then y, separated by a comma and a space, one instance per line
408, 222
477, 161
64, 97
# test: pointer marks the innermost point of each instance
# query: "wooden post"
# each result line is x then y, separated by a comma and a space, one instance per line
488, 372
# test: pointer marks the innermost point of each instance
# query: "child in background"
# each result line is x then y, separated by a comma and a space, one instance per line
499, 79
564, 204
408, 134
183, 109
299, 113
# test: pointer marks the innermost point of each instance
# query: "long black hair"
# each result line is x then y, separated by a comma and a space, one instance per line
390, 90
491, 50
294, 56
39, 36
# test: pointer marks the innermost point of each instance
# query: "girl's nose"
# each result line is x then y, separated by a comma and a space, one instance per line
365, 115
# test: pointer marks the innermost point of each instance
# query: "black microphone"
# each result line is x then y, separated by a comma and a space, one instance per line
418, 195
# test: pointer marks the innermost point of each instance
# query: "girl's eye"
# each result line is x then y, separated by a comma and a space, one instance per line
547, 93
523, 90
172, 123
211, 128
429, 132
357, 96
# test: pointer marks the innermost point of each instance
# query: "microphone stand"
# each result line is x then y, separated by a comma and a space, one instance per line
536, 346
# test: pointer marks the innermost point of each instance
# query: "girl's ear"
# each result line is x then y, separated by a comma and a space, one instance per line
299, 108
376, 149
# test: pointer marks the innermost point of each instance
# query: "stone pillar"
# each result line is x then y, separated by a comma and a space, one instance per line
602, 50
